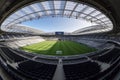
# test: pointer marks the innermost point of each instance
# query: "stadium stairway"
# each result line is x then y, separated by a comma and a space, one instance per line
59, 73
3, 74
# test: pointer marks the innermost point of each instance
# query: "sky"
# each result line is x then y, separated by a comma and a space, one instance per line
55, 24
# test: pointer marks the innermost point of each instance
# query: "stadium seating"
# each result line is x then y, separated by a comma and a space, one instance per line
37, 70
81, 71
98, 53
75, 69
11, 55
19, 42
75, 60
25, 54
108, 57
45, 60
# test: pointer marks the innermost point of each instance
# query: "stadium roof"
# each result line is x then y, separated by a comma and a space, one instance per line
90, 29
58, 8
23, 29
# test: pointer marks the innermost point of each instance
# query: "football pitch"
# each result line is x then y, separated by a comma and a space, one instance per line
58, 48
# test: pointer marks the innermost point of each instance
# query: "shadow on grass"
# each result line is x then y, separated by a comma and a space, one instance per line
45, 52
55, 47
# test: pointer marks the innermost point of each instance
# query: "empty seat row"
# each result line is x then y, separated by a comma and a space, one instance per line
37, 70
81, 71
98, 53
108, 57
75, 60
13, 56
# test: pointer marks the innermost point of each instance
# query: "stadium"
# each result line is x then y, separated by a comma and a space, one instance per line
73, 40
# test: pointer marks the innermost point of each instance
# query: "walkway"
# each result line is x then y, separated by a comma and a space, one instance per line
59, 73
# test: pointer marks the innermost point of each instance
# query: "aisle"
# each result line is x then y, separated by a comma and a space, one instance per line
59, 73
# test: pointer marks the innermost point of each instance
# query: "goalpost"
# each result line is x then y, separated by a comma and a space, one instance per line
58, 52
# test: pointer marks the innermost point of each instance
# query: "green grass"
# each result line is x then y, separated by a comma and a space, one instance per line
50, 48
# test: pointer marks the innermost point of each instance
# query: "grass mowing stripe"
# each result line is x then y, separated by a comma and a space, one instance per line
44, 49
78, 49
33, 47
66, 48
50, 48
36, 45
39, 46
53, 50
45, 46
82, 48
70, 47
63, 48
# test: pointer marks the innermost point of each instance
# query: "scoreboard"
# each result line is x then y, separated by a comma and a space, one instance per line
59, 33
